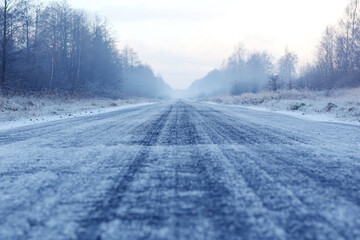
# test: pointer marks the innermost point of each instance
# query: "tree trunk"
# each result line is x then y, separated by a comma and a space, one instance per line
78, 65
53, 58
36, 48
52, 69
4, 45
27, 41
353, 29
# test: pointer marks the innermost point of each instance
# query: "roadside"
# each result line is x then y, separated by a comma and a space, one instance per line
335, 106
20, 111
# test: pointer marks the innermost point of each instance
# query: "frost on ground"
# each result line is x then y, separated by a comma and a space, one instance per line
26, 110
343, 105
181, 170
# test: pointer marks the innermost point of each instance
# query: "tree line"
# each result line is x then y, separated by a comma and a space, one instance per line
249, 71
256, 71
336, 64
49, 46
338, 56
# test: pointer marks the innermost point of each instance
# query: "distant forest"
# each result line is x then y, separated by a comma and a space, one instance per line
336, 65
51, 47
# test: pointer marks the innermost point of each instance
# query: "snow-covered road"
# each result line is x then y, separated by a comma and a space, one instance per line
181, 170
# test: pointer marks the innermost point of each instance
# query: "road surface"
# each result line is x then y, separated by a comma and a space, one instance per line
181, 170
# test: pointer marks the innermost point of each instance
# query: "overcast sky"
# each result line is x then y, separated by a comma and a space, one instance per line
185, 39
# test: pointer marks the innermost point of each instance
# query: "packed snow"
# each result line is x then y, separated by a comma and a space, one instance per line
180, 170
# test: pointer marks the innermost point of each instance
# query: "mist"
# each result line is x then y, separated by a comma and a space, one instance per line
54, 48
336, 65
50, 47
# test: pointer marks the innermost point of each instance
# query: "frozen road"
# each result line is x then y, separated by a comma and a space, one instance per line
181, 170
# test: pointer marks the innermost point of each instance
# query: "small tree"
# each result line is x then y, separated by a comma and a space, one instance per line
287, 68
274, 82
326, 58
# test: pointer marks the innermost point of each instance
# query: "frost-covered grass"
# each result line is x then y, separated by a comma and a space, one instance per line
341, 104
34, 108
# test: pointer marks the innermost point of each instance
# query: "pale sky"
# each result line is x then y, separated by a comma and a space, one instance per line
185, 39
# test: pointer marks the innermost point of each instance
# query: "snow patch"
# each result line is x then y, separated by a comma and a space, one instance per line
341, 105
23, 111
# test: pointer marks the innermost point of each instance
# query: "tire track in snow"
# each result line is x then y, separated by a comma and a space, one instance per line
184, 170
104, 210
275, 197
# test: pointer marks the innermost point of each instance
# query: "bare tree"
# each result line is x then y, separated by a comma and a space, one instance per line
287, 68
130, 60
274, 82
326, 57
50, 46
8, 13
347, 37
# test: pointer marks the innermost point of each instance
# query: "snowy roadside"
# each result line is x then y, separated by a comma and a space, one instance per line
23, 111
331, 106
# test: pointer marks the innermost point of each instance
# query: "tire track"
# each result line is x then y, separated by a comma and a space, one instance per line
296, 218
53, 128
217, 204
104, 210
181, 170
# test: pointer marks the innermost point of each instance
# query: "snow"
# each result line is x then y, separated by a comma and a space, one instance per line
318, 117
341, 106
180, 170
23, 111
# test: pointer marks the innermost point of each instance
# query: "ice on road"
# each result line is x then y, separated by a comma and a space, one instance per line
181, 170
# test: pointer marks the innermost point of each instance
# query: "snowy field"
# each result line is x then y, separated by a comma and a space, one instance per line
336, 105
21, 111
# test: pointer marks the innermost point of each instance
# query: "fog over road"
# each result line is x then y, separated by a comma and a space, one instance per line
181, 170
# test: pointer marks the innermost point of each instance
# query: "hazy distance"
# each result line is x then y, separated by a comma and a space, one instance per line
183, 40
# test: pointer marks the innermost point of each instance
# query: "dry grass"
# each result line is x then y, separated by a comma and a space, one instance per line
19, 107
341, 103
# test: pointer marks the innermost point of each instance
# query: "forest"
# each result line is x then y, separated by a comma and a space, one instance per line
336, 65
47, 46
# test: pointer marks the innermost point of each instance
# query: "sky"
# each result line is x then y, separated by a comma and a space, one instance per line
183, 40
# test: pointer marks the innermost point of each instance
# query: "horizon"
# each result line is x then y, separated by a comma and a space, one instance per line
205, 35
